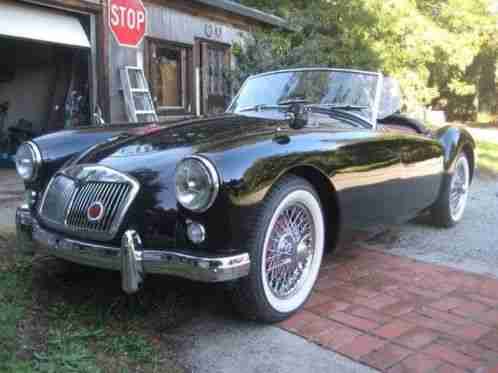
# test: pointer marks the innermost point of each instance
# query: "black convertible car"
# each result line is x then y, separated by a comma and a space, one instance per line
251, 197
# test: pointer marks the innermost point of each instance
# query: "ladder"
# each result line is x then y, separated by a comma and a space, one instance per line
138, 100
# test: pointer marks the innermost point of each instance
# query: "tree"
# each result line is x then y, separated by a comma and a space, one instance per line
443, 51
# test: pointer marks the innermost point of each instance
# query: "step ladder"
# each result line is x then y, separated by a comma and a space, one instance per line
138, 100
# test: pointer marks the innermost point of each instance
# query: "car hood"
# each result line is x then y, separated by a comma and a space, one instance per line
150, 155
152, 152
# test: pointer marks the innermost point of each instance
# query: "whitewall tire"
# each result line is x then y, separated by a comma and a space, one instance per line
286, 245
450, 206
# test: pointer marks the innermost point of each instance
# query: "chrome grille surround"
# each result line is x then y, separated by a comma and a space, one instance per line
72, 191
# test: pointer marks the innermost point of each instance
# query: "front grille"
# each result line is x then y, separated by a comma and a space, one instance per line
112, 196
68, 198
57, 198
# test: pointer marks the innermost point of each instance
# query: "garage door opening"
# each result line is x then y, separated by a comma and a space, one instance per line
45, 77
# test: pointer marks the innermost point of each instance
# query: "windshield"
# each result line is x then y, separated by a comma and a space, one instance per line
320, 87
390, 100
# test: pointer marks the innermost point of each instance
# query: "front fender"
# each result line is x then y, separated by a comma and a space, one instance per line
59, 147
454, 140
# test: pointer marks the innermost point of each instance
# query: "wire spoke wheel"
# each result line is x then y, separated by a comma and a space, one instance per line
459, 189
290, 251
286, 244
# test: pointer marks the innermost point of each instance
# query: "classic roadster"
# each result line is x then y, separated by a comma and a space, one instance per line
251, 197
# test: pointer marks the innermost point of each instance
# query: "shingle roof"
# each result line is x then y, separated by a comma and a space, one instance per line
246, 11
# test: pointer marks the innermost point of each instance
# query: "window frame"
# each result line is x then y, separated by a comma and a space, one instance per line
185, 71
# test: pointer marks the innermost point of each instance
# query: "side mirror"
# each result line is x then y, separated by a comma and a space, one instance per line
298, 116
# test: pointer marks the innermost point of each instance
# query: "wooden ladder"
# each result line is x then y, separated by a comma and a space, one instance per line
138, 100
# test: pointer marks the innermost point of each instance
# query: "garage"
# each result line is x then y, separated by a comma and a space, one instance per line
63, 63
47, 78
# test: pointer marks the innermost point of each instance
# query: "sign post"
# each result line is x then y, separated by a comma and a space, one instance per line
128, 21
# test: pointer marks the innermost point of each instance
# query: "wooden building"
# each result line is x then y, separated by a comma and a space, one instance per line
184, 53
60, 61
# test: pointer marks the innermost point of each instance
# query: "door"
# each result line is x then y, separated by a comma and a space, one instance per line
215, 61
369, 179
423, 165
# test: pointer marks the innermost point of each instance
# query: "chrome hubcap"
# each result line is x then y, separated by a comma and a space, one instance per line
459, 190
290, 251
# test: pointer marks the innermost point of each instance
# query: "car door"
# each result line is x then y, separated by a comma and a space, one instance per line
423, 164
369, 179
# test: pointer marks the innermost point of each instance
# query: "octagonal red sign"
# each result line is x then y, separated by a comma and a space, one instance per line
127, 21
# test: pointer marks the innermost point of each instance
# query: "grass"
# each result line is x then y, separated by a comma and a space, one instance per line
488, 157
49, 325
487, 151
14, 298
486, 120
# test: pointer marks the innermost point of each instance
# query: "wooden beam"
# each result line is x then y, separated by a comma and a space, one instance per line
214, 14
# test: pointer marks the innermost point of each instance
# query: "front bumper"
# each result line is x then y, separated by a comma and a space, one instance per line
131, 259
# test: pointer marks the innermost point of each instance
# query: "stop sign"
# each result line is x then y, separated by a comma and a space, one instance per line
128, 21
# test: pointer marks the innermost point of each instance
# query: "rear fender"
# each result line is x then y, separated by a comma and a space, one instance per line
454, 140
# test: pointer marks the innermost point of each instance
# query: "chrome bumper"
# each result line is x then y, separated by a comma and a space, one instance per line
131, 259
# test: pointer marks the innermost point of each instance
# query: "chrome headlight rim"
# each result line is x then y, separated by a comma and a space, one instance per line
214, 178
37, 160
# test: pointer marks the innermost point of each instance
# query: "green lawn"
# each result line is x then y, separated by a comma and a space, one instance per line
49, 325
488, 157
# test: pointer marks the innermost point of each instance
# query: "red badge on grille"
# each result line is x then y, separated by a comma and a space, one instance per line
95, 212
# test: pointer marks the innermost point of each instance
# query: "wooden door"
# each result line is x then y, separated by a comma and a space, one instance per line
215, 61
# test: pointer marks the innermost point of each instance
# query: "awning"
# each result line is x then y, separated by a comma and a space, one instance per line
32, 22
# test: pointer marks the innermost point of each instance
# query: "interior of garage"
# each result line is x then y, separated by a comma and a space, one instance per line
44, 80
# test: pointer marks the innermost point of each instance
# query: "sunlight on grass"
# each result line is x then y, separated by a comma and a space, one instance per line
488, 157
486, 119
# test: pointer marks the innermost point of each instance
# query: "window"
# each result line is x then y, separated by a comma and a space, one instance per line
169, 67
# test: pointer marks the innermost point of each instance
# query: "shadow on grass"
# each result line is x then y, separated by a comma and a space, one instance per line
163, 304
64, 317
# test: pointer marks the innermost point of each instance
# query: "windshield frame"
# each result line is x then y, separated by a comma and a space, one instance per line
378, 89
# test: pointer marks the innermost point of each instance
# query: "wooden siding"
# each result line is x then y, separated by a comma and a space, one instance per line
168, 24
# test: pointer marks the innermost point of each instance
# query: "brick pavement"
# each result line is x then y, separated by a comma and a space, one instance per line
396, 314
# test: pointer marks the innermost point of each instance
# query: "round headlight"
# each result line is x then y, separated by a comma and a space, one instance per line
28, 160
197, 183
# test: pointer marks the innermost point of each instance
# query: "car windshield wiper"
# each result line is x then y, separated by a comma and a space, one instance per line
262, 107
342, 107
296, 100
341, 110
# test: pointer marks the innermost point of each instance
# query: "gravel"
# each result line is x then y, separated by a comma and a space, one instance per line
472, 245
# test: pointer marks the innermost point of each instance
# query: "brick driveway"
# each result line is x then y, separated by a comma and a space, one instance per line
400, 315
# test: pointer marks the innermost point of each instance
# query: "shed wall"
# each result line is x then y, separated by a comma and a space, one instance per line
167, 24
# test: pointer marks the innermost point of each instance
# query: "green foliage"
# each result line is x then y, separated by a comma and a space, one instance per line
442, 51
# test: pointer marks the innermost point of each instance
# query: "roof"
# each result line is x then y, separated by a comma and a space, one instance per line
245, 11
